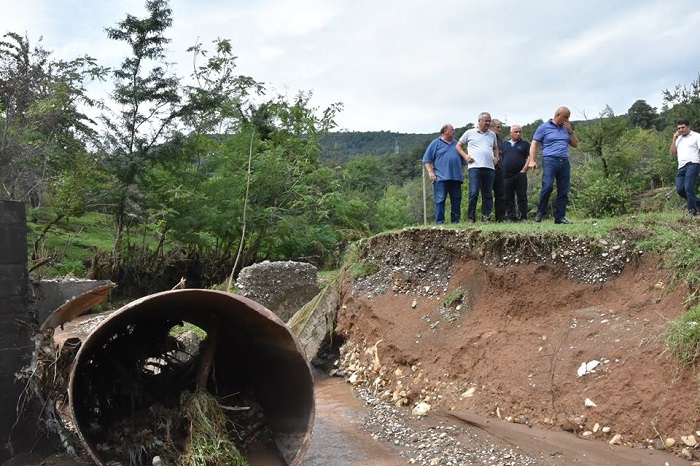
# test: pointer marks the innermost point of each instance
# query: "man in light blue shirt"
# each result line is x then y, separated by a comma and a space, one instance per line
446, 171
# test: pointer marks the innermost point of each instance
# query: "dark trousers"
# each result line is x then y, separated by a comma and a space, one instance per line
499, 195
686, 177
480, 181
515, 185
555, 169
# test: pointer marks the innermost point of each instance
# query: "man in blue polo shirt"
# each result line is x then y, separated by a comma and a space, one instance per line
554, 136
446, 171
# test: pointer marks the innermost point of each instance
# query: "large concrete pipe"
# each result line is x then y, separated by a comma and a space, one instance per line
123, 367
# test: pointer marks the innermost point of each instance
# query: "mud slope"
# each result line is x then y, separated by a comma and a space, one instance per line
500, 326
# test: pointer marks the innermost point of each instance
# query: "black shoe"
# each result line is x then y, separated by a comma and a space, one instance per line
538, 217
563, 221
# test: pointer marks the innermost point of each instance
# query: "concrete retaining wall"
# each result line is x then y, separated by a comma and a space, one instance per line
15, 331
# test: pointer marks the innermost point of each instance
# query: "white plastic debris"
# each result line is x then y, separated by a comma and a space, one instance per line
587, 368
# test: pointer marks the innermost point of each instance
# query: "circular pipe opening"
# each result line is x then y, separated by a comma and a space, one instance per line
131, 369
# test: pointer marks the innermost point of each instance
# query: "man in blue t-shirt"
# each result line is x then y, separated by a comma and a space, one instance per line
554, 136
446, 171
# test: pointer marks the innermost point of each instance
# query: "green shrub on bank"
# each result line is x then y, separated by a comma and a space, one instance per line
682, 336
605, 197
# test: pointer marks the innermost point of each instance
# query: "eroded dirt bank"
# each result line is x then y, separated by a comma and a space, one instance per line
499, 327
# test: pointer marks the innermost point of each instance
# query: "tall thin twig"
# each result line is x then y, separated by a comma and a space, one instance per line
245, 209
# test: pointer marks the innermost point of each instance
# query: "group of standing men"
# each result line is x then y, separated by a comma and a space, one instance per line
498, 169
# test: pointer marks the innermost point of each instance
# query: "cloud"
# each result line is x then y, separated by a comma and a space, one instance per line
412, 66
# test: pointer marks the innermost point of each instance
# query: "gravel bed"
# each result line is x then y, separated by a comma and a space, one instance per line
435, 445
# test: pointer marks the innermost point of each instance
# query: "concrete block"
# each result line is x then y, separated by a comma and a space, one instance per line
12, 213
14, 239
52, 294
15, 331
11, 305
13, 280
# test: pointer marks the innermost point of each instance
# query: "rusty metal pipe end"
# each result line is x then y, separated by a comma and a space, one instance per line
123, 366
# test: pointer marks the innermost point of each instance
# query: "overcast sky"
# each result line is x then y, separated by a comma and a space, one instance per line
410, 66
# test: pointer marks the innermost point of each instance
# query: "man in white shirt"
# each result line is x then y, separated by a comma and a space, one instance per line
686, 148
478, 147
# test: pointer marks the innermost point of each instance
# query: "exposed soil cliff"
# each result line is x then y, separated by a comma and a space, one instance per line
512, 328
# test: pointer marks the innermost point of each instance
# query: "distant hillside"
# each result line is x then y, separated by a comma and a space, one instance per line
343, 146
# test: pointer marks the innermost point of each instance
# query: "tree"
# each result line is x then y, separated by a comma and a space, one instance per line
218, 100
149, 105
642, 114
683, 102
366, 174
598, 137
405, 165
42, 127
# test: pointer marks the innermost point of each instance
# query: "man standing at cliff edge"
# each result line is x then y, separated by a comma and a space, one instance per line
446, 171
554, 136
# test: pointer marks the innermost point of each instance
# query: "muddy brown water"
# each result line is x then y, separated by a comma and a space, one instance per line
338, 437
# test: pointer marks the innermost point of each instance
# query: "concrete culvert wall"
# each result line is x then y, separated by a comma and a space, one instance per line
282, 287
130, 371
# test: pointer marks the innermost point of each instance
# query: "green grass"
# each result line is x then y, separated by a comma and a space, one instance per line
453, 298
69, 243
363, 269
682, 336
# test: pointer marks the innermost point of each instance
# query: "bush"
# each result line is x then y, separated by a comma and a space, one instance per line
68, 266
604, 197
682, 336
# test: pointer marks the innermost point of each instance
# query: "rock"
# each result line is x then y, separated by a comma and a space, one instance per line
469, 393
283, 287
596, 427
659, 444
421, 409
670, 442
686, 454
590, 403
414, 304
689, 440
616, 440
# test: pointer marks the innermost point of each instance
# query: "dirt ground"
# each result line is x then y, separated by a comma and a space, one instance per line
510, 330
492, 331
